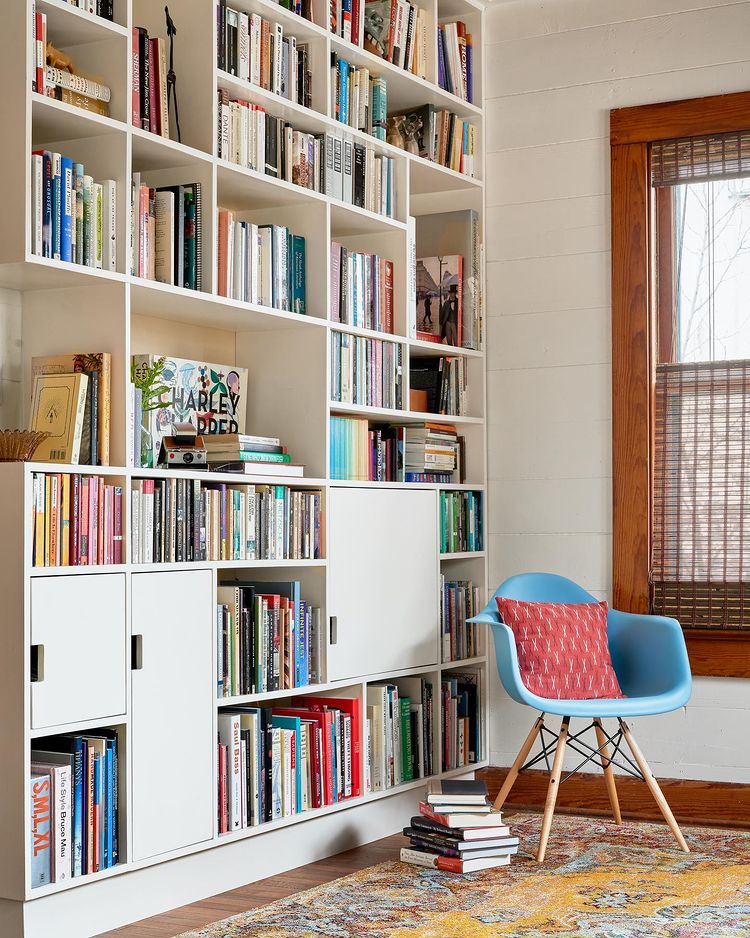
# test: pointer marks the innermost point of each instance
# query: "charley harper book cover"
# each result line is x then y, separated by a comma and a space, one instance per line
211, 397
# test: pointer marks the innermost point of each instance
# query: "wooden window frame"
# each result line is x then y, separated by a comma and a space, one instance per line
635, 288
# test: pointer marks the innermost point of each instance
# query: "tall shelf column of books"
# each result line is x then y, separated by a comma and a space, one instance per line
128, 679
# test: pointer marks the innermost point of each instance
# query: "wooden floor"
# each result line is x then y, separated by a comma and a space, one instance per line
261, 893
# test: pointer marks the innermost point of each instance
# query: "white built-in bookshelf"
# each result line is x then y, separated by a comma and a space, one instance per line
378, 579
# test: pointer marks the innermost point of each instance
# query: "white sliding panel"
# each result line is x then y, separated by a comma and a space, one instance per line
383, 580
172, 711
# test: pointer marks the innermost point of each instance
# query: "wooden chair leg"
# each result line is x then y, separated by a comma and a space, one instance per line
609, 775
554, 784
653, 786
513, 771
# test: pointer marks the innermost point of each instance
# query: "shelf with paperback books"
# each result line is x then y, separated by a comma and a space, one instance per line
459, 65
400, 737
279, 761
462, 717
462, 519
76, 825
77, 213
460, 599
366, 371
270, 634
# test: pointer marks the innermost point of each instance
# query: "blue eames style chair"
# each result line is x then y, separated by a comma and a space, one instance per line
652, 667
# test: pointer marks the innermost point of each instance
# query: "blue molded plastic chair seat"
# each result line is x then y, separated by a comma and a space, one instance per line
651, 662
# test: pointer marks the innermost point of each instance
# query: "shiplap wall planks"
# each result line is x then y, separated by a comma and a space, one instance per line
555, 69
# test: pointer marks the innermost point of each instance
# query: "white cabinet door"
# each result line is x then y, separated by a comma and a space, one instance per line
383, 580
172, 711
78, 626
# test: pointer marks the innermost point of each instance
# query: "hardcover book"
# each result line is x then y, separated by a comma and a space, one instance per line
439, 298
57, 406
211, 397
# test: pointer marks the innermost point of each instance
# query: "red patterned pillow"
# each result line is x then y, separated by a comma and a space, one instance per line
562, 648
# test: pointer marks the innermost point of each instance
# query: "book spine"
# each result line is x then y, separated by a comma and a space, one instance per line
41, 830
84, 86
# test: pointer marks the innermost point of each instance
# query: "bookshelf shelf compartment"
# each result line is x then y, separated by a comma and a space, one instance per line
68, 26
54, 120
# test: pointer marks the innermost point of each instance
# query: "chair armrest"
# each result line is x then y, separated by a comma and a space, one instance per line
649, 655
507, 666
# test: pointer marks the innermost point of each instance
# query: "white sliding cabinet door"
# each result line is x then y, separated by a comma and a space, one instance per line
172, 711
383, 578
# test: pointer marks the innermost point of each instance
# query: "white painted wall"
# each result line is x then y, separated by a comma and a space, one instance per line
555, 69
10, 359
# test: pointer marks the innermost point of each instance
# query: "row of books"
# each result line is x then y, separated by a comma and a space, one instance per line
103, 8
399, 733
456, 60
73, 218
395, 30
262, 264
438, 385
459, 601
280, 761
74, 806
269, 638
149, 100
76, 520
352, 172
458, 831
461, 719
361, 289
366, 371
165, 236
91, 433
445, 138
256, 50
183, 520
363, 453
461, 522
359, 99
252, 455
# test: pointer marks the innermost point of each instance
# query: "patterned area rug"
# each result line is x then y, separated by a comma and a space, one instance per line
599, 880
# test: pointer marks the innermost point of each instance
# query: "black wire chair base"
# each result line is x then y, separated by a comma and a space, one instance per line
549, 740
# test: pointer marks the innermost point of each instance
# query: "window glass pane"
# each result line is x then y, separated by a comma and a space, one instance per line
711, 243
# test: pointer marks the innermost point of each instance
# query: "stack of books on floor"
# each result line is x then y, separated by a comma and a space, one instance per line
457, 830
253, 455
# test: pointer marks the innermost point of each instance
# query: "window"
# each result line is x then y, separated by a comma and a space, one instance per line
681, 371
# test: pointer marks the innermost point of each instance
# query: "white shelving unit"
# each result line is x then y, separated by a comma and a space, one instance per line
166, 717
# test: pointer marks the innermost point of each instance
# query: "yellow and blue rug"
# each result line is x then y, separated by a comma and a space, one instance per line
599, 881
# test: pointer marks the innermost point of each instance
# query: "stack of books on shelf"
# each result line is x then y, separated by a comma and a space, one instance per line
275, 762
343, 169
363, 453
165, 236
394, 30
459, 601
461, 522
67, 84
438, 385
359, 99
252, 455
458, 831
92, 430
445, 138
361, 289
399, 741
74, 806
366, 371
262, 264
183, 520
150, 104
269, 638
73, 218
256, 50
461, 719
76, 520
456, 60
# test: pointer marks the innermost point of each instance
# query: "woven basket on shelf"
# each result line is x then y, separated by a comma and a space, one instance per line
19, 445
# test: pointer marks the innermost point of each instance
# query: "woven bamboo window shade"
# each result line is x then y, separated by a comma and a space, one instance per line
700, 548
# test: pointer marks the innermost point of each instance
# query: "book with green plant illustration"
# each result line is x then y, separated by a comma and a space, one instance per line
211, 397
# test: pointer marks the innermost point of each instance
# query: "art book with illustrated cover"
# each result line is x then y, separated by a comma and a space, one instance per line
439, 298
211, 397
